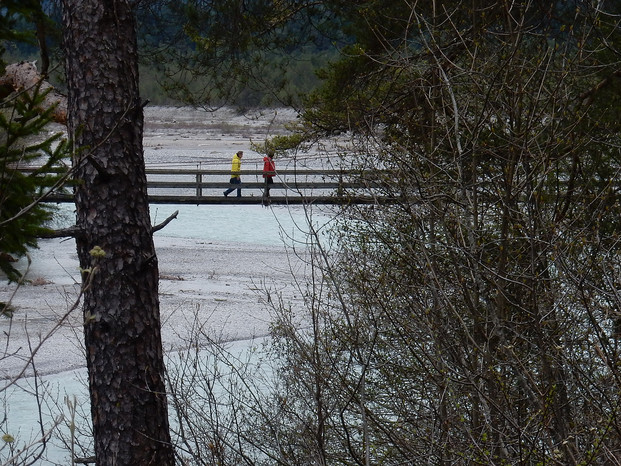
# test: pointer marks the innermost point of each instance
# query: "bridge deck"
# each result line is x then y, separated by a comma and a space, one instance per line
198, 186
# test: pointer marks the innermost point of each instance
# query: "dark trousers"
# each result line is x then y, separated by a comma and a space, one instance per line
268, 181
230, 190
266, 191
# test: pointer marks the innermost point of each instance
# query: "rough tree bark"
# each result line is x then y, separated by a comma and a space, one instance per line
121, 307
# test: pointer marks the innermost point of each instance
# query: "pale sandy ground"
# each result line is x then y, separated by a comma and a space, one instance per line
218, 286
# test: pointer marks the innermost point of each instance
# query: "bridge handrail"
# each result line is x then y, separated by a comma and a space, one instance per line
203, 171
205, 185
220, 172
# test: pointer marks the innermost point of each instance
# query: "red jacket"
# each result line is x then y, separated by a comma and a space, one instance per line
268, 166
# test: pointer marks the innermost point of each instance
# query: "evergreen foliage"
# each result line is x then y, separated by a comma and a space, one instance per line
24, 142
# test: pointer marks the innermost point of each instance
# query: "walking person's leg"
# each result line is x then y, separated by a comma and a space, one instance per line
266, 191
231, 189
266, 188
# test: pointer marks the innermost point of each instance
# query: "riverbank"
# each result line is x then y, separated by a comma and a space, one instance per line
214, 264
219, 287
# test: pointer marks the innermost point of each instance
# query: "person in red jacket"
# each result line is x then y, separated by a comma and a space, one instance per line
269, 169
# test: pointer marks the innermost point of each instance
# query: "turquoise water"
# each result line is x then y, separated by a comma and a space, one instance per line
248, 224
251, 224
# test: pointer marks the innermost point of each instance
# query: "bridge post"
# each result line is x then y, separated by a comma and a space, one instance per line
199, 181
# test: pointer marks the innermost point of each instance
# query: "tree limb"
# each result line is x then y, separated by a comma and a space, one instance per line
74, 231
165, 222
71, 232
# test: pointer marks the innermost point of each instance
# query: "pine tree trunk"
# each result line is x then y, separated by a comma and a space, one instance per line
121, 306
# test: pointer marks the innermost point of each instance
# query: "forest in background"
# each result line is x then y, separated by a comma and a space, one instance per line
291, 73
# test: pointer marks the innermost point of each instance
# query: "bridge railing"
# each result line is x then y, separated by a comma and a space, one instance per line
204, 186
212, 182
289, 186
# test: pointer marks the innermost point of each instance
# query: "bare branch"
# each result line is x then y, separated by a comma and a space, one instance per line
165, 222
71, 232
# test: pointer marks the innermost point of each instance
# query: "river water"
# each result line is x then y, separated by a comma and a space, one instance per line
222, 224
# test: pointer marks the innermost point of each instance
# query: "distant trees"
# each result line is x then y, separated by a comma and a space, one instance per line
242, 53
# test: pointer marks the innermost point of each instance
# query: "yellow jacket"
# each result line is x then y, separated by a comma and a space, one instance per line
235, 166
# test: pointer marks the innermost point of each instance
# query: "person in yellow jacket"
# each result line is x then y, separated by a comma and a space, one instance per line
235, 173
